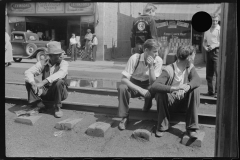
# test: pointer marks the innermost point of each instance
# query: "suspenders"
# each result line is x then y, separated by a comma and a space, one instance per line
139, 56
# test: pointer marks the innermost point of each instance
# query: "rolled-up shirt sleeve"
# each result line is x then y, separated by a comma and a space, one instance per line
33, 72
158, 66
61, 73
128, 71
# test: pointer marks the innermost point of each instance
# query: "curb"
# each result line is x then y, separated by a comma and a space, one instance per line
204, 119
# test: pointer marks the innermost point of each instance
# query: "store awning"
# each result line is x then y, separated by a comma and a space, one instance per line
184, 11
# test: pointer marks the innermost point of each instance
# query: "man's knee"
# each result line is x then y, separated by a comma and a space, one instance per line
160, 96
58, 83
122, 88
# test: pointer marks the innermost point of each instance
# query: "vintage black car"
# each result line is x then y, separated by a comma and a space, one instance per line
26, 45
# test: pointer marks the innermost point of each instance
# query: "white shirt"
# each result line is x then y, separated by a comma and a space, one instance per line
38, 68
73, 41
142, 71
213, 38
179, 76
95, 41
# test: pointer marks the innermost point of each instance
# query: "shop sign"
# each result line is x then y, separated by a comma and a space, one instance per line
49, 8
163, 24
173, 35
84, 8
182, 24
172, 24
21, 8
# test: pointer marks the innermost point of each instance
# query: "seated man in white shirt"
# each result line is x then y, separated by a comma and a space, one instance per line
141, 71
54, 75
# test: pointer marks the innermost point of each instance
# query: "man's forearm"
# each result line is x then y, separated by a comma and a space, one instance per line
152, 76
130, 84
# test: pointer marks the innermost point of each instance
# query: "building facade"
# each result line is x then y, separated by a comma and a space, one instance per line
111, 22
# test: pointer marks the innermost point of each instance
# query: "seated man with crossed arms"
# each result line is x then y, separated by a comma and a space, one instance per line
54, 75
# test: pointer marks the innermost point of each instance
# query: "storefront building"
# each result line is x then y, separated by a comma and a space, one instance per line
111, 22
52, 21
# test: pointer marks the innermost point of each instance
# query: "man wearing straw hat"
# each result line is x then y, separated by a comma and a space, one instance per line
53, 86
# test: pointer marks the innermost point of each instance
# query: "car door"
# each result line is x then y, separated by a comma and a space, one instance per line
18, 42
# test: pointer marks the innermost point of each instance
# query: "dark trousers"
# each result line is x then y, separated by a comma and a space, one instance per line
167, 103
74, 52
55, 93
94, 50
125, 93
211, 68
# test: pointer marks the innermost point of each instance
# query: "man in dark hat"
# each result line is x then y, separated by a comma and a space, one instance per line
53, 86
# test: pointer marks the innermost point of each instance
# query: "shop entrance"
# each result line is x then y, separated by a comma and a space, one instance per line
57, 28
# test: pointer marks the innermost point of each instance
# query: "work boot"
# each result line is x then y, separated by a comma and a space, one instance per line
123, 124
57, 112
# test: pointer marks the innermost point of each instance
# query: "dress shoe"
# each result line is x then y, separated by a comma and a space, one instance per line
57, 112
123, 124
159, 133
192, 133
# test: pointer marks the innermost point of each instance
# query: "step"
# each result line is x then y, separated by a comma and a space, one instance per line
113, 92
205, 119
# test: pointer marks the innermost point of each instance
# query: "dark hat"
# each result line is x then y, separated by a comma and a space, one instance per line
54, 47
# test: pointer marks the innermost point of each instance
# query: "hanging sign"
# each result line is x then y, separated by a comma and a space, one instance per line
84, 8
163, 24
25, 8
182, 24
49, 8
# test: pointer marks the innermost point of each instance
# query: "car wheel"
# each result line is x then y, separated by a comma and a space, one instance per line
17, 59
41, 56
31, 48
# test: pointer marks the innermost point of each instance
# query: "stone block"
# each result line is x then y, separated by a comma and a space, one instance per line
67, 124
144, 131
186, 140
29, 120
98, 129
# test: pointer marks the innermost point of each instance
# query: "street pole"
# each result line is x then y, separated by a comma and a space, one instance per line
226, 136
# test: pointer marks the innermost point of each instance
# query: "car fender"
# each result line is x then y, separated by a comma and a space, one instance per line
36, 52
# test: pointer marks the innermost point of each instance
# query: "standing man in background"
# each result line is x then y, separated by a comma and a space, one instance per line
94, 47
211, 45
72, 45
88, 37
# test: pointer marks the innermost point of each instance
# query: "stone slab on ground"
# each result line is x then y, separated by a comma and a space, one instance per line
144, 131
29, 120
99, 129
67, 124
186, 140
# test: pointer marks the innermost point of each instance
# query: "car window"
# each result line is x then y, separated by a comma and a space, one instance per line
18, 37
